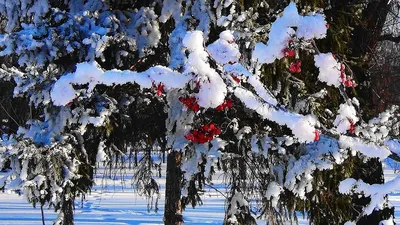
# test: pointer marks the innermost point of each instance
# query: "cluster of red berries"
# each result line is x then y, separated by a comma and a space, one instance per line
204, 134
190, 103
289, 51
225, 105
346, 80
295, 67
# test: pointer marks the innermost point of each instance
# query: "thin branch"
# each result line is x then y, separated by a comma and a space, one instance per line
389, 37
210, 186
5, 110
394, 156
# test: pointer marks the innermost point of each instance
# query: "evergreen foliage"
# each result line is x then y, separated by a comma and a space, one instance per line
274, 95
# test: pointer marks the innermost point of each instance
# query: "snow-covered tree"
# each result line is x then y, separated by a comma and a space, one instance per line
272, 93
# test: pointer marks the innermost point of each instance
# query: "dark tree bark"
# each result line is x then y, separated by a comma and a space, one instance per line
67, 213
173, 207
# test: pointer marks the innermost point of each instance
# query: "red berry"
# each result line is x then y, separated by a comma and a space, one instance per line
352, 127
204, 134
317, 135
349, 83
190, 137
190, 103
211, 126
235, 78
342, 76
228, 103
160, 89
295, 67
195, 107
289, 53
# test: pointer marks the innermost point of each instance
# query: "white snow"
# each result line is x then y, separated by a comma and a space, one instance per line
224, 50
273, 192
114, 202
346, 113
308, 27
393, 145
90, 73
212, 87
377, 192
101, 155
265, 94
329, 69
303, 127
368, 149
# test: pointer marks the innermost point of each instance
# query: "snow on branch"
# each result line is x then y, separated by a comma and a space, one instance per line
308, 27
212, 87
224, 50
329, 69
303, 127
315, 159
377, 192
264, 93
368, 149
89, 73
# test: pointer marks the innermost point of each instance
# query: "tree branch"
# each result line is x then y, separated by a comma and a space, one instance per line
389, 37
395, 157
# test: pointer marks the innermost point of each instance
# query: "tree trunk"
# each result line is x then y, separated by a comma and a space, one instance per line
68, 209
66, 215
173, 208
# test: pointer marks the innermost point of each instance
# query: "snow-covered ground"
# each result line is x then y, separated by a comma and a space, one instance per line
114, 202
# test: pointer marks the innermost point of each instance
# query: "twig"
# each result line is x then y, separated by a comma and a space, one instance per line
210, 186
9, 114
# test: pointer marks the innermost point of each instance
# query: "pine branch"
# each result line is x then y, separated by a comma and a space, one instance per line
389, 37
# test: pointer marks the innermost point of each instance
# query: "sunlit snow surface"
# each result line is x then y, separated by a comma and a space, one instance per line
113, 201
